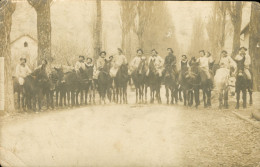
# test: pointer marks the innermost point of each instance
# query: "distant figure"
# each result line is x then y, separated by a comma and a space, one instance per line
242, 54
137, 60
158, 62
80, 64
22, 70
117, 61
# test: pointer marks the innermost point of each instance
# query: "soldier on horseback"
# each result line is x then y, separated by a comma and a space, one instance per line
136, 61
247, 62
22, 70
158, 62
80, 64
117, 61
184, 65
226, 61
204, 62
100, 64
170, 62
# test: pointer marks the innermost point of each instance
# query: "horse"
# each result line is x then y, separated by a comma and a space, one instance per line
104, 82
206, 87
186, 86
139, 76
222, 84
33, 88
193, 82
241, 84
121, 80
171, 84
154, 82
85, 77
19, 89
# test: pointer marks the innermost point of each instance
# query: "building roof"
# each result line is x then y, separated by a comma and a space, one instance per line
24, 36
245, 29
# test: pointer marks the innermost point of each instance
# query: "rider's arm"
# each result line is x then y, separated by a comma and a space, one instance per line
77, 66
17, 71
28, 70
247, 61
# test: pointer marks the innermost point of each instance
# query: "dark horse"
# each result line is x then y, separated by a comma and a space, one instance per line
139, 76
33, 88
121, 80
105, 82
193, 82
84, 83
171, 84
154, 82
242, 84
206, 87
186, 86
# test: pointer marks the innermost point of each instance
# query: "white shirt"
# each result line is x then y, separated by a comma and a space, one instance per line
158, 61
204, 62
22, 71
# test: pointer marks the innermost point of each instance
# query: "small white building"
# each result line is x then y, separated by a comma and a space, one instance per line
24, 46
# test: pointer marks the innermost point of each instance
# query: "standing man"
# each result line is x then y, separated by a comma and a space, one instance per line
117, 61
158, 63
170, 62
137, 60
80, 64
22, 70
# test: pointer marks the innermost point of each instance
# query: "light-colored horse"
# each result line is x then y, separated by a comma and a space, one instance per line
223, 81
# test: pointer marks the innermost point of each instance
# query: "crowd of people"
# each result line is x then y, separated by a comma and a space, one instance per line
169, 63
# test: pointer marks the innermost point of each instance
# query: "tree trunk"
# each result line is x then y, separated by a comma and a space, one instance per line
223, 29
98, 31
5, 51
44, 32
42, 8
254, 43
237, 20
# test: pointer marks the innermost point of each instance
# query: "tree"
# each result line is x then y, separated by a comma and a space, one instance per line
235, 11
144, 14
42, 8
198, 41
127, 22
98, 30
254, 42
216, 27
6, 10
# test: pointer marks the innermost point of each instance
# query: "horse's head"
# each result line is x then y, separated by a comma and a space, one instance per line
58, 75
40, 75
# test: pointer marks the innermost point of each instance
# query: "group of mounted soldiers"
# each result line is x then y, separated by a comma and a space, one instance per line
111, 74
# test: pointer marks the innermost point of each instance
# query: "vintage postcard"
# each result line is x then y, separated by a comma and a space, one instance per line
103, 83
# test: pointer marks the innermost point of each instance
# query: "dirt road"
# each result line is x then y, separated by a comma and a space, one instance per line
129, 135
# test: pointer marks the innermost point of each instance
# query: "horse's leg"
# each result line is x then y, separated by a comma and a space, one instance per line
250, 96
204, 98
18, 99
180, 95
209, 98
175, 95
244, 98
226, 98
197, 97
172, 95
61, 93
167, 94
125, 92
145, 93
238, 98
140, 93
136, 95
86, 96
151, 95
220, 98
184, 96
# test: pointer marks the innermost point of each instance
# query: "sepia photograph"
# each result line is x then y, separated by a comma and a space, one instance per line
129, 83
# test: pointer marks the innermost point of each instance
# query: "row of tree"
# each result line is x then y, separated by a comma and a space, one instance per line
149, 21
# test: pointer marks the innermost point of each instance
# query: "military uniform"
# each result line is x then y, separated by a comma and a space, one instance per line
247, 63
117, 61
158, 63
22, 72
135, 63
170, 62
78, 65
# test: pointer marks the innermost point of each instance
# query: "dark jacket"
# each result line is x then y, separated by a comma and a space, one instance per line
170, 62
